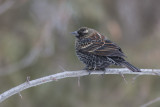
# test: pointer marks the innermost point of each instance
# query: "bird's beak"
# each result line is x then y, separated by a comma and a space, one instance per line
74, 33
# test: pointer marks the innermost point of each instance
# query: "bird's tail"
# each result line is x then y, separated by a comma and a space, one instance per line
129, 66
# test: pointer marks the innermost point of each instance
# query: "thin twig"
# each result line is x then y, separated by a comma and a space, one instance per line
20, 95
68, 74
28, 79
6, 6
150, 102
62, 68
123, 77
79, 84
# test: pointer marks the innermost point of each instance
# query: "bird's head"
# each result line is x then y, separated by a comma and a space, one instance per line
83, 32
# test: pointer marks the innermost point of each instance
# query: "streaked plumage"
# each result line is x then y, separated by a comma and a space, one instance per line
97, 52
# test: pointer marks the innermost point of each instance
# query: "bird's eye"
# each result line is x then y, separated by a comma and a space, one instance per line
83, 31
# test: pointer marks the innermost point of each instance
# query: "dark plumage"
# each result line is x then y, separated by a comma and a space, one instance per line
97, 52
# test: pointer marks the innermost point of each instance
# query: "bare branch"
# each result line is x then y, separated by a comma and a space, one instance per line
6, 6
135, 77
151, 102
79, 84
67, 74
123, 77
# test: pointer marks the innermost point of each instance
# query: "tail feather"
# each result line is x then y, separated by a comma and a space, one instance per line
129, 66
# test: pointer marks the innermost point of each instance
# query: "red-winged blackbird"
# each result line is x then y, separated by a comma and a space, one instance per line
97, 52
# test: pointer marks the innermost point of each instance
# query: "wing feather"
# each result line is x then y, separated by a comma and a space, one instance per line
104, 48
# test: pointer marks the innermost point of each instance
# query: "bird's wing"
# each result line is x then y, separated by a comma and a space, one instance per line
103, 48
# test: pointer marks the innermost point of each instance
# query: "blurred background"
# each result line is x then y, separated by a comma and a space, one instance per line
35, 41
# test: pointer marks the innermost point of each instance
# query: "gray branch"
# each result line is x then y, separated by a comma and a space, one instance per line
150, 102
66, 74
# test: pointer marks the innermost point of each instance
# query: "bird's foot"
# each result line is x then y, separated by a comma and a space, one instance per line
102, 69
88, 69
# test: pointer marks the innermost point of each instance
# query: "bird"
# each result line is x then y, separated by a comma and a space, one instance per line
97, 52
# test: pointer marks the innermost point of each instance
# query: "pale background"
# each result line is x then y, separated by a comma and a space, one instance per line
35, 41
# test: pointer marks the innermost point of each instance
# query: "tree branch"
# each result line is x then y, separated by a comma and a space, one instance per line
151, 102
6, 6
67, 74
